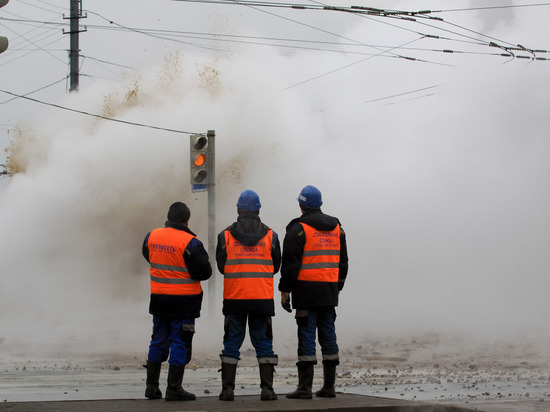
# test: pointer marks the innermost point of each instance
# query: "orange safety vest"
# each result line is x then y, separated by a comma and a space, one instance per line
248, 270
321, 256
169, 274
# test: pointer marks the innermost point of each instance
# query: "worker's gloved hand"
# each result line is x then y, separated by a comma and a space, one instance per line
286, 306
285, 301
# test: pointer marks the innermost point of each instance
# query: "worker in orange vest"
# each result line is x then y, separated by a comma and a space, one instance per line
248, 254
178, 263
314, 269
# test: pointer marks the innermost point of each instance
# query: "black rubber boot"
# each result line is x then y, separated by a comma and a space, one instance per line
152, 390
329, 377
174, 391
229, 371
305, 381
266, 382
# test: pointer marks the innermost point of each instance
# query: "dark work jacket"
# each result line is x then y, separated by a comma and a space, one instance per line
307, 294
196, 260
249, 230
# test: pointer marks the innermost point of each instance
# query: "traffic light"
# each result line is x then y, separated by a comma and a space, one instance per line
3, 40
198, 152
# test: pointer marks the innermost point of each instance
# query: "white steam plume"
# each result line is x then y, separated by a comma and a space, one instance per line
443, 198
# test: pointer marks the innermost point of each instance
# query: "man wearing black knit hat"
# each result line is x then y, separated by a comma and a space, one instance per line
178, 263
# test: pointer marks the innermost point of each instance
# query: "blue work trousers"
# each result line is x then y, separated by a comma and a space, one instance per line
174, 337
260, 330
320, 320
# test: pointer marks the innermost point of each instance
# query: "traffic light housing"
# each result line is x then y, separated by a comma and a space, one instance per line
3, 44
199, 159
3, 40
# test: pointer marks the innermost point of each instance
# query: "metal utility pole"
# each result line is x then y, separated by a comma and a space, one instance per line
211, 188
74, 52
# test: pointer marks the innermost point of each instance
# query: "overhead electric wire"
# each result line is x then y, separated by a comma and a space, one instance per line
85, 56
336, 70
37, 7
102, 63
372, 9
23, 20
310, 26
421, 14
30, 52
334, 34
356, 9
276, 15
514, 6
144, 33
491, 44
368, 12
31, 40
22, 36
53, 5
352, 64
39, 37
320, 7
221, 37
402, 94
411, 99
271, 41
169, 35
112, 119
94, 77
365, 12
508, 49
217, 37
34, 91
469, 41
465, 29
254, 5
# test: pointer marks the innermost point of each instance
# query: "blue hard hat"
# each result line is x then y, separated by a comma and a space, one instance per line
310, 196
249, 201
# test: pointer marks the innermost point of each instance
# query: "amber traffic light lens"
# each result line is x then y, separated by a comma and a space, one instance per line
200, 160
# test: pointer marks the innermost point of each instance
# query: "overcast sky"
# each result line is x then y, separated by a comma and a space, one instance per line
435, 162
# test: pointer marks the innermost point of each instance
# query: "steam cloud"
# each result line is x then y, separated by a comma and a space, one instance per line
443, 198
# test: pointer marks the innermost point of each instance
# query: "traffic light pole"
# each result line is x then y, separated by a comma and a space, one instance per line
211, 188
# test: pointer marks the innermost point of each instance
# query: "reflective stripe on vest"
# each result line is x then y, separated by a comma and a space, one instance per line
321, 256
248, 270
169, 274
